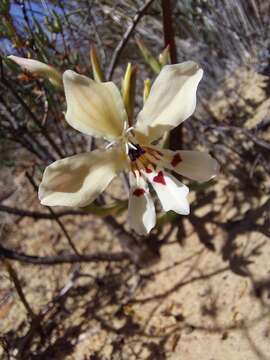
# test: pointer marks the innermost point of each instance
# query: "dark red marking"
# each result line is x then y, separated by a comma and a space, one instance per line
159, 178
148, 170
138, 192
176, 160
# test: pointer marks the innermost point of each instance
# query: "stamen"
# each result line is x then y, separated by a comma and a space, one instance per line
125, 126
110, 145
129, 129
137, 175
140, 165
126, 148
137, 171
155, 153
152, 158
132, 146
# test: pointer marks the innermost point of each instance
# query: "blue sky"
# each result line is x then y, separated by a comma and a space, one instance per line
39, 10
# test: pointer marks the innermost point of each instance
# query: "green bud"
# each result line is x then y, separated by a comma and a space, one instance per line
148, 57
164, 58
97, 71
128, 90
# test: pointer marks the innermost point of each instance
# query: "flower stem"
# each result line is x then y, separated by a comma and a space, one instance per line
15, 279
168, 30
175, 137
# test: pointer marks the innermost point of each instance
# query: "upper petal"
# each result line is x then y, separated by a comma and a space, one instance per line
195, 165
93, 108
141, 209
172, 99
78, 180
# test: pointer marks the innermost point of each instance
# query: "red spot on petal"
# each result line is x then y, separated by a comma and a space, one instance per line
176, 160
138, 192
159, 178
148, 170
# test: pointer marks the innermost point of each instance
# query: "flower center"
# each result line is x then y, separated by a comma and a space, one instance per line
142, 158
135, 152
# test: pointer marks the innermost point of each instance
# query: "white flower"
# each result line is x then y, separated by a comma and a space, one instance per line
97, 109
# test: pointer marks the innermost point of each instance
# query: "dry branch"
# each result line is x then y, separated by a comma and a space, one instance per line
62, 259
123, 42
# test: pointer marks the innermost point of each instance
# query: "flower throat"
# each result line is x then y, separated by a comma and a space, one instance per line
135, 152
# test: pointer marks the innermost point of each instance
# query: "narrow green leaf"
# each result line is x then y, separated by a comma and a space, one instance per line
148, 57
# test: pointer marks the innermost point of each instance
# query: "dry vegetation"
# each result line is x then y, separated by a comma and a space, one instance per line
77, 285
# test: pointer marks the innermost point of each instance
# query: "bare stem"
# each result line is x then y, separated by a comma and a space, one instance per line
62, 259
168, 31
15, 279
40, 215
120, 47
175, 141
54, 214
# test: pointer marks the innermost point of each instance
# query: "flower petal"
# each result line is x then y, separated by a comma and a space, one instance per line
93, 108
171, 192
39, 68
172, 99
78, 180
195, 165
141, 209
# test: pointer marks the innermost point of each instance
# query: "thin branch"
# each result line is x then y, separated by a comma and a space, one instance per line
248, 133
54, 214
17, 284
175, 137
44, 132
63, 259
40, 215
168, 31
142, 251
20, 134
120, 47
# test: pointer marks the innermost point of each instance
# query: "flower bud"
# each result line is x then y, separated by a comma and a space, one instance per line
148, 57
128, 90
39, 69
164, 58
97, 71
